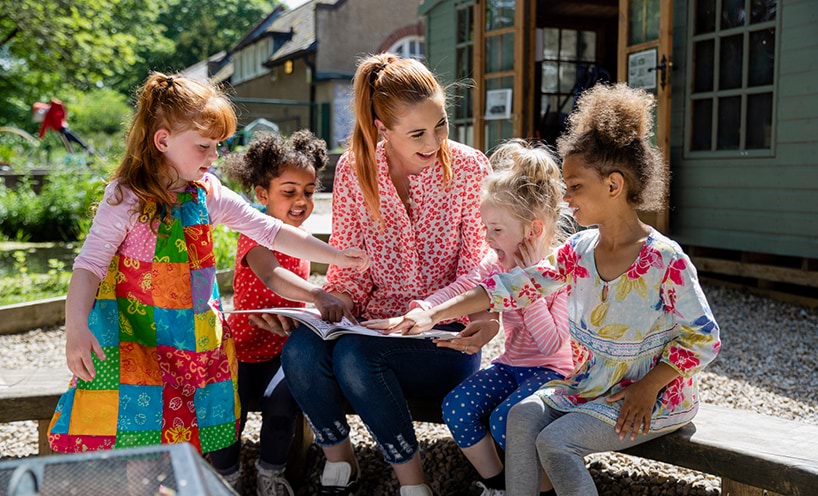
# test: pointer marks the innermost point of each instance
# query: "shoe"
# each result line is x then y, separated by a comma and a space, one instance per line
419, 490
487, 491
271, 482
335, 480
234, 479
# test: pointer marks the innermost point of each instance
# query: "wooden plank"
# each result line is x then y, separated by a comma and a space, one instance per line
758, 271
43, 446
793, 107
31, 394
716, 174
748, 199
792, 299
759, 222
798, 130
757, 450
20, 317
796, 245
797, 37
733, 488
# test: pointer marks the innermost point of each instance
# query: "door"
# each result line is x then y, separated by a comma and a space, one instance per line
646, 61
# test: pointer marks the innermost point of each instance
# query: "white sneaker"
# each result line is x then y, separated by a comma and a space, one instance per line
234, 479
335, 480
272, 482
487, 491
419, 490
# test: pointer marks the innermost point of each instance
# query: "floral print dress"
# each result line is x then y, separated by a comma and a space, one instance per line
620, 329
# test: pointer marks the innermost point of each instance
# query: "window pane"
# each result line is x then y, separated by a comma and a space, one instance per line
551, 44
759, 121
499, 14
636, 21
586, 46
568, 47
702, 132
703, 66
705, 16
500, 53
731, 61
762, 57
549, 77
732, 14
465, 29
652, 21
508, 52
729, 130
568, 77
762, 10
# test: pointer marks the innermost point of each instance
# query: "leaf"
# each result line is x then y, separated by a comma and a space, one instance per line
599, 313
613, 331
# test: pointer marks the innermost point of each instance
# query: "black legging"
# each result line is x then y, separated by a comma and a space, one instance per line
261, 388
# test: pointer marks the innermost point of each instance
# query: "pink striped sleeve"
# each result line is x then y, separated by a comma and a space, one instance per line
547, 322
470, 280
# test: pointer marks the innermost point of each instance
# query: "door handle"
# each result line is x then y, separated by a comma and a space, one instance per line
663, 67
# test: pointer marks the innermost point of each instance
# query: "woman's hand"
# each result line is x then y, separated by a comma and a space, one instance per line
637, 409
331, 308
79, 344
531, 251
414, 322
277, 324
472, 339
352, 257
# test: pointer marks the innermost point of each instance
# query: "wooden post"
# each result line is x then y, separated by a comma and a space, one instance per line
733, 488
42, 432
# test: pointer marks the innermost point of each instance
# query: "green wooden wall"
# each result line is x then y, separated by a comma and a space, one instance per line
755, 204
441, 30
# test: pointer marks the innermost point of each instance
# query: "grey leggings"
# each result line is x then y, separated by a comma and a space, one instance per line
561, 442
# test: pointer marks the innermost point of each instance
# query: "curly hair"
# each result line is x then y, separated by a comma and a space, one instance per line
526, 182
267, 157
611, 129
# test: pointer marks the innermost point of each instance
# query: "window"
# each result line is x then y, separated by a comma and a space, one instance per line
463, 122
498, 63
409, 46
732, 76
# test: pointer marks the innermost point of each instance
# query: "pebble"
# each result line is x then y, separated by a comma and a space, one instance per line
767, 365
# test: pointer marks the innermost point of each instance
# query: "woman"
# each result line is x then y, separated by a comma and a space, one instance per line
411, 200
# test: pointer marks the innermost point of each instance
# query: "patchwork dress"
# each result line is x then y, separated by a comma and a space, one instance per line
170, 372
620, 329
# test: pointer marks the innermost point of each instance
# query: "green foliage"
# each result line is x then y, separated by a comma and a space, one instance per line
58, 213
24, 286
224, 247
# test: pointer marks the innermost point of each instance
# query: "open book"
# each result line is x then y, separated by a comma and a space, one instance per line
332, 330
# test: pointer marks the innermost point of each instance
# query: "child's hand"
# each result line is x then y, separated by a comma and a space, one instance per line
277, 324
472, 339
79, 344
414, 322
332, 308
636, 411
352, 257
531, 251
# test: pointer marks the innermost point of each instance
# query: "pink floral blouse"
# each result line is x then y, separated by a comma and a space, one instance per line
620, 329
411, 256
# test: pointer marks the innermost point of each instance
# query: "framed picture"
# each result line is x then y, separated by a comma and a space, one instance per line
498, 104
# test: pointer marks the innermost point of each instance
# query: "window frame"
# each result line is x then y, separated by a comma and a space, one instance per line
744, 91
463, 127
405, 42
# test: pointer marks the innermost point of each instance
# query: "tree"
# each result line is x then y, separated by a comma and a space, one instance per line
47, 46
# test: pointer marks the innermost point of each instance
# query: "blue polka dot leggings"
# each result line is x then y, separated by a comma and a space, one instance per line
488, 395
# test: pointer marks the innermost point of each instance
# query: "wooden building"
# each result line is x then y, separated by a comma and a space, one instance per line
736, 83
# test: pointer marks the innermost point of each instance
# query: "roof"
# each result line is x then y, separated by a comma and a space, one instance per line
200, 71
299, 24
259, 29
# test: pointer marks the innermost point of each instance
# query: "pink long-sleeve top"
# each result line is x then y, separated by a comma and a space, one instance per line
411, 256
535, 336
113, 222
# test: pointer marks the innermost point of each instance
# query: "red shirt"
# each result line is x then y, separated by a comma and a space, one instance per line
254, 344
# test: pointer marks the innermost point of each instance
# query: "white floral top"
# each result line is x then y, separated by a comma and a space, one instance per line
620, 329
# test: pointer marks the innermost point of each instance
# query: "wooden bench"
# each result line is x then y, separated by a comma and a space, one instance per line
749, 451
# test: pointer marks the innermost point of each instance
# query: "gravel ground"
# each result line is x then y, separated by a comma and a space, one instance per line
768, 365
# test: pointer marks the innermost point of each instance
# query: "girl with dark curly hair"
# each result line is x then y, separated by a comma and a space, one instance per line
283, 175
641, 327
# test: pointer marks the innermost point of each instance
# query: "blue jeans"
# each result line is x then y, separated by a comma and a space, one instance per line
375, 375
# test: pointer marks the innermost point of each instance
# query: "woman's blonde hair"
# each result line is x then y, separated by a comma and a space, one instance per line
384, 85
178, 104
611, 129
527, 183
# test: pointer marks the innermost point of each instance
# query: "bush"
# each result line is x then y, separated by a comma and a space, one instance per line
59, 213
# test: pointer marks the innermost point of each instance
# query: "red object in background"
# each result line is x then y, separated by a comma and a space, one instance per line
54, 118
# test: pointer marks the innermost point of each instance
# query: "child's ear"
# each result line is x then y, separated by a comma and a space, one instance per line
537, 228
261, 195
160, 139
616, 184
